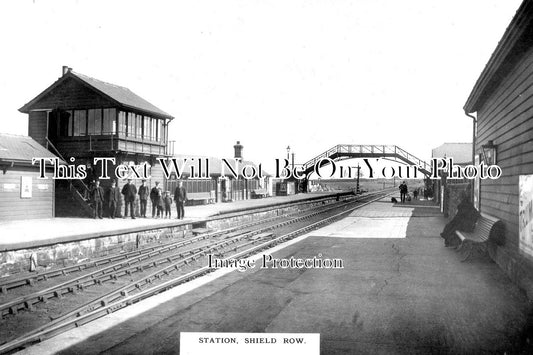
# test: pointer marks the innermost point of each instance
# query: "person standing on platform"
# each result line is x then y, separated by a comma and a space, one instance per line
90, 187
97, 197
113, 198
154, 198
143, 198
160, 203
168, 205
129, 191
180, 196
403, 191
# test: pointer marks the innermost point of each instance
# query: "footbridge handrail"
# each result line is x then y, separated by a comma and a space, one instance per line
365, 150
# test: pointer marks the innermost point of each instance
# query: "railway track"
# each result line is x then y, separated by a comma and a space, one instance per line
137, 262
237, 242
9, 283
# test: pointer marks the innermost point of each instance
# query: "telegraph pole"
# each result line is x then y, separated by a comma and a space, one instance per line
357, 186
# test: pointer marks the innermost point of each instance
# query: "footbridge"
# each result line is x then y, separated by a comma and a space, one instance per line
349, 151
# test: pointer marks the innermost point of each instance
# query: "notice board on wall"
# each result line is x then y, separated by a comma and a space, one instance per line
525, 214
25, 187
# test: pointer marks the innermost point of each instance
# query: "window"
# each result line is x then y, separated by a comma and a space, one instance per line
138, 126
159, 135
80, 122
146, 128
131, 124
110, 119
154, 129
162, 137
122, 122
94, 122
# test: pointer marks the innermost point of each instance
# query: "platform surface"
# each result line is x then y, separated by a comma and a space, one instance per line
21, 234
400, 292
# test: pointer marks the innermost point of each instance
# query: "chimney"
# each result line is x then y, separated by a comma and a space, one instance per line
66, 69
238, 150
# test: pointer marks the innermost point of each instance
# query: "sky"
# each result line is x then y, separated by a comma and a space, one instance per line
270, 74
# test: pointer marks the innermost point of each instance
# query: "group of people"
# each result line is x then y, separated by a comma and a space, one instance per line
404, 193
464, 220
161, 201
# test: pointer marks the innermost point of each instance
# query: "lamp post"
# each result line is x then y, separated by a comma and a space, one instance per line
292, 163
286, 183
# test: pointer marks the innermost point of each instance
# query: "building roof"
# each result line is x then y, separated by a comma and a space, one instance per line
21, 149
517, 39
215, 165
460, 152
119, 94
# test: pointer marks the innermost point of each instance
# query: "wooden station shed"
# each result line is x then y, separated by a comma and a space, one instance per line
221, 179
220, 185
501, 107
82, 118
22, 194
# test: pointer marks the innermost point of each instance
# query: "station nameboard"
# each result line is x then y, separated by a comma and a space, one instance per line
525, 214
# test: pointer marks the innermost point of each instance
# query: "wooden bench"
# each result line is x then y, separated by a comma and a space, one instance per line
206, 197
487, 228
259, 193
197, 231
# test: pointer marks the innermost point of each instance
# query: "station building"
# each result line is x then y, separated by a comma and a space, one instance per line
81, 117
501, 107
23, 194
460, 152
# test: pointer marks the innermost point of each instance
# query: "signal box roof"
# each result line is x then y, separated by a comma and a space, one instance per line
119, 95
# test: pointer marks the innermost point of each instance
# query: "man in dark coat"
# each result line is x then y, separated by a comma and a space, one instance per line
465, 220
155, 195
129, 191
167, 201
143, 198
180, 196
403, 191
97, 197
113, 198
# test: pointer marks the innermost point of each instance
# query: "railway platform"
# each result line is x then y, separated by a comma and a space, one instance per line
33, 233
400, 291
